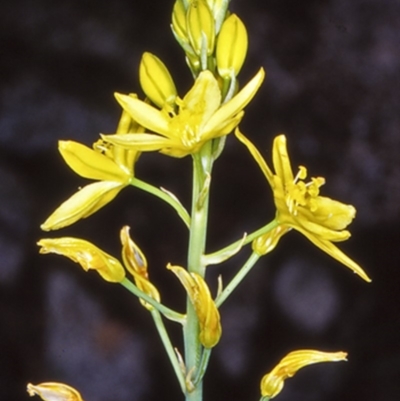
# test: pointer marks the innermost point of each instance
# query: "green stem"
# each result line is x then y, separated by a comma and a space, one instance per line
249, 238
202, 165
241, 274
165, 196
205, 357
169, 348
167, 312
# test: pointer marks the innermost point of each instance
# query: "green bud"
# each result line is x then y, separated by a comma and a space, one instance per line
231, 47
156, 80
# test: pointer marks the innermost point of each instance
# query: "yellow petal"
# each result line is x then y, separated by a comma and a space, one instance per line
90, 164
257, 156
141, 142
281, 160
146, 115
86, 254
54, 392
204, 98
272, 383
82, 204
336, 253
236, 104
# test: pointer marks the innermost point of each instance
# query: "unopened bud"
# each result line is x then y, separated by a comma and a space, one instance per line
231, 47
156, 81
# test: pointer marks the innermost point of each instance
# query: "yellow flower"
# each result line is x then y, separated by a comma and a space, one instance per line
206, 310
272, 383
54, 392
200, 118
136, 263
111, 165
87, 255
299, 206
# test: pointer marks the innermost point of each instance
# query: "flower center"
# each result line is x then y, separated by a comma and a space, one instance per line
302, 194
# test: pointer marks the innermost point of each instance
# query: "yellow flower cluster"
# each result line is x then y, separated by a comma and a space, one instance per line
215, 44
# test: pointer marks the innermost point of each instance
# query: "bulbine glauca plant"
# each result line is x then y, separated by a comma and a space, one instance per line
195, 125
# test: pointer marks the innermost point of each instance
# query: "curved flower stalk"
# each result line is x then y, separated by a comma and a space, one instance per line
272, 383
200, 118
206, 310
299, 205
136, 264
54, 392
87, 255
111, 165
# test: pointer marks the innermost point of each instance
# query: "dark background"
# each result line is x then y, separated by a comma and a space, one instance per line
333, 86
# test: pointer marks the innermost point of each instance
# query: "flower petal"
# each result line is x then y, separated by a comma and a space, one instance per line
82, 204
257, 156
146, 115
336, 253
236, 104
141, 142
90, 164
281, 161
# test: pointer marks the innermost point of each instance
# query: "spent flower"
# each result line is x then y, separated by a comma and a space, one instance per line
272, 383
136, 264
89, 256
206, 310
51, 391
299, 205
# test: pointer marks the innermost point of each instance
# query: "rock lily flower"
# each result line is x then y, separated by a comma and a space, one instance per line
111, 165
54, 392
206, 310
136, 264
200, 118
299, 205
87, 255
272, 383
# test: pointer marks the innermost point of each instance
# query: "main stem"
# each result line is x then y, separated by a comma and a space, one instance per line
202, 164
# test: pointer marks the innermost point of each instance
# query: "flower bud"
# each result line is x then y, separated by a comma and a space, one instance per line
272, 383
156, 81
200, 26
231, 47
179, 23
87, 255
54, 392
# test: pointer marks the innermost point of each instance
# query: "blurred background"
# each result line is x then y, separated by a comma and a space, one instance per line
333, 87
